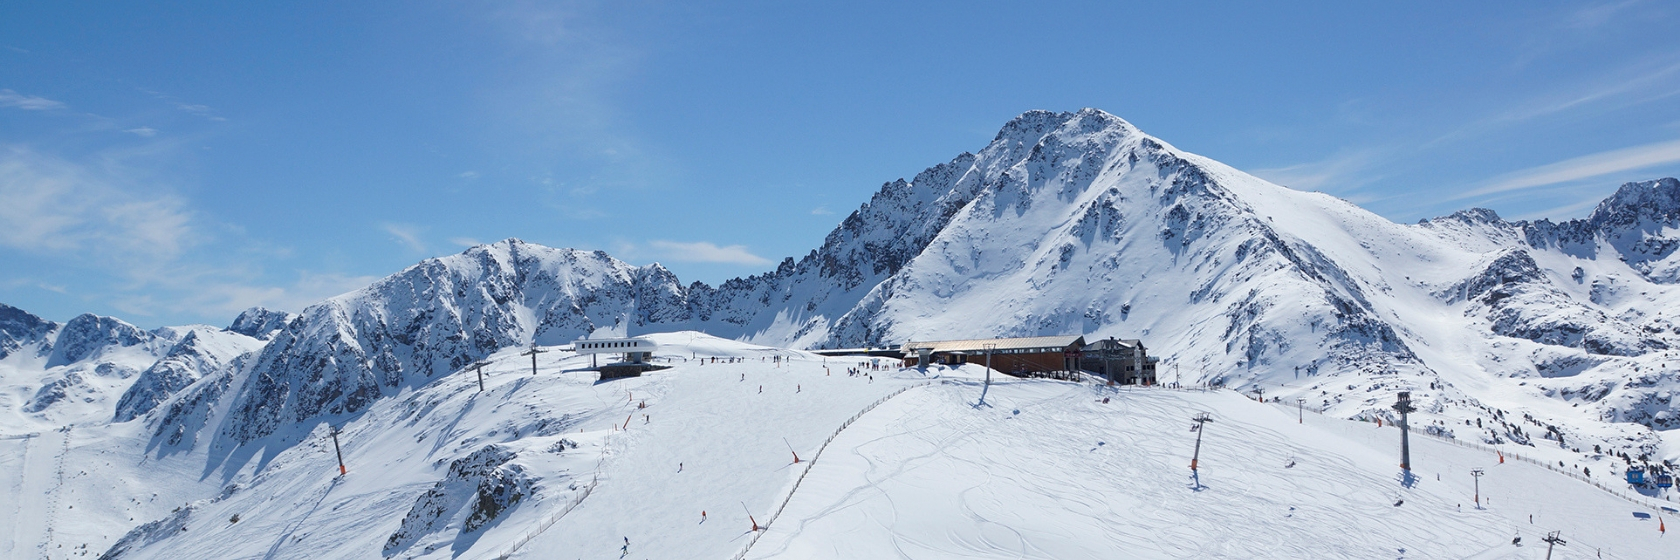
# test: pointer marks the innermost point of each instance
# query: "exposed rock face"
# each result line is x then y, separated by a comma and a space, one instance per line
197, 355
260, 323
87, 334
19, 328
1640, 224
485, 482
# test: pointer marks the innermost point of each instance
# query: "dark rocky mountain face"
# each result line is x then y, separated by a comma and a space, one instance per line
88, 333
19, 328
260, 323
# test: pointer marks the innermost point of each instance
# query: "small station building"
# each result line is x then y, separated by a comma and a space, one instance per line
635, 351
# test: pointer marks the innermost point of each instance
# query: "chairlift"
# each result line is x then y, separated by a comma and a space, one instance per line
1636, 475
1665, 480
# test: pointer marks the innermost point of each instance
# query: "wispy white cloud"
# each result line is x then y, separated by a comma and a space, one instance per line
201, 110
1342, 171
219, 293
9, 98
406, 234
702, 251
141, 242
1566, 211
1596, 15
144, 131
465, 241
821, 211
1584, 167
53, 204
468, 175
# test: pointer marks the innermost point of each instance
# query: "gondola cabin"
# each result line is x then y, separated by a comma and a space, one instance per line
1636, 475
1665, 480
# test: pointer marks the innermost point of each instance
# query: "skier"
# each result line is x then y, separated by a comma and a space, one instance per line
679, 469
702, 516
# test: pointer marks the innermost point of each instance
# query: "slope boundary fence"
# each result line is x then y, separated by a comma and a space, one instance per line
813, 463
1640, 499
555, 517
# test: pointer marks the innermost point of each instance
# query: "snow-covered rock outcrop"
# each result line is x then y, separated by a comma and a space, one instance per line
20, 329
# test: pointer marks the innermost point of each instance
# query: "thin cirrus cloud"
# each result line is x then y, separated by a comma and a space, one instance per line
1584, 167
9, 98
55, 204
146, 242
406, 234
702, 251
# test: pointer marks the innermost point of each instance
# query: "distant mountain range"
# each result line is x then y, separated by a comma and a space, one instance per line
1065, 223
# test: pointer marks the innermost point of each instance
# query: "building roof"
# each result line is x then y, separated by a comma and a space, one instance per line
979, 344
1121, 342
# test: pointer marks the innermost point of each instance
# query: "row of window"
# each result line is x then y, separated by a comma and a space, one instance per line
631, 344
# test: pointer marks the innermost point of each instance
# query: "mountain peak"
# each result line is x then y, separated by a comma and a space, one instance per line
1657, 200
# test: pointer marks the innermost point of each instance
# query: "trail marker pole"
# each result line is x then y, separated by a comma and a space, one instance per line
1403, 405
1552, 539
790, 450
480, 367
1300, 414
533, 354
341, 469
755, 528
1478, 474
1201, 420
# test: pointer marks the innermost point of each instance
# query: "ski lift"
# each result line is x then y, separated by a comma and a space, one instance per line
1665, 480
1636, 475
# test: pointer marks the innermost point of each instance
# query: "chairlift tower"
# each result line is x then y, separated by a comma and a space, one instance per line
533, 354
480, 367
1552, 539
1403, 405
1477, 473
341, 470
1201, 420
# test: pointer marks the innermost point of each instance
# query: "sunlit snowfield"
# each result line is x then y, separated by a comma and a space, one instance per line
1044, 469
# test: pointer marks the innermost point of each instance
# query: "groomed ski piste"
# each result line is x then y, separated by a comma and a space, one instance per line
625, 468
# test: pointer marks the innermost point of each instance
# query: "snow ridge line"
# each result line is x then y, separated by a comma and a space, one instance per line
555, 517
1641, 500
813, 462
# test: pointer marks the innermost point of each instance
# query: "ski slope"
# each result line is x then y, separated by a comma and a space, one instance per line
625, 468
1047, 470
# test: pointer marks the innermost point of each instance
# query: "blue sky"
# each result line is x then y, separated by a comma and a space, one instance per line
178, 162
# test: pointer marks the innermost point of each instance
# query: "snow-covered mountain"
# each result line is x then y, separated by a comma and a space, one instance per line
1526, 333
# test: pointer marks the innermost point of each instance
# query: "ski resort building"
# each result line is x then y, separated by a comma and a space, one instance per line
1121, 361
635, 350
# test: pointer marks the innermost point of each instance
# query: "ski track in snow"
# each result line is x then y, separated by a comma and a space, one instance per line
929, 476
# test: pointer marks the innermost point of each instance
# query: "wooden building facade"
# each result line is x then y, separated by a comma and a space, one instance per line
1121, 361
